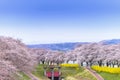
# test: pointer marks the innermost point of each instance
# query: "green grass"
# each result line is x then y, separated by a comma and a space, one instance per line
85, 75
24, 76
21, 76
67, 73
39, 72
76, 74
109, 76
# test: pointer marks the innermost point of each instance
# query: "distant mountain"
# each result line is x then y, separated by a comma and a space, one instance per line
59, 46
112, 41
69, 46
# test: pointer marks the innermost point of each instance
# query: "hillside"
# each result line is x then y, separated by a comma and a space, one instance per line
59, 46
112, 41
69, 46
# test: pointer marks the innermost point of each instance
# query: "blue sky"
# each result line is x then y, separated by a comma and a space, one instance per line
55, 21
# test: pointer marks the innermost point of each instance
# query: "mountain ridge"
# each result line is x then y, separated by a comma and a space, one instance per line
69, 45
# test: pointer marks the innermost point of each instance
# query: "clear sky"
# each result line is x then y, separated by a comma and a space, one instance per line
55, 21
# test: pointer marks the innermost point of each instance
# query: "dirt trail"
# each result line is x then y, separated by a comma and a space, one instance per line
94, 74
32, 76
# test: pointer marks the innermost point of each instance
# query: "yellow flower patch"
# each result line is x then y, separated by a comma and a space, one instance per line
106, 69
70, 65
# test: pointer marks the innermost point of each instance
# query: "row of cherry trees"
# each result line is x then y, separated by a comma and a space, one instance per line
98, 53
45, 56
92, 53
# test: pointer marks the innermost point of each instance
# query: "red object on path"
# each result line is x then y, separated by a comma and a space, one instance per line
49, 74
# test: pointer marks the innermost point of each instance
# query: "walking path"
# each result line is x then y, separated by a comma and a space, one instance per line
98, 77
32, 76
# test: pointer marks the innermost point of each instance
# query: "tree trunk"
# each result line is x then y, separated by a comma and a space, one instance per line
81, 63
107, 64
86, 63
43, 62
100, 63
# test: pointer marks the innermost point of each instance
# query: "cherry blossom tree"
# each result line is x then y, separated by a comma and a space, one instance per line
7, 70
14, 54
